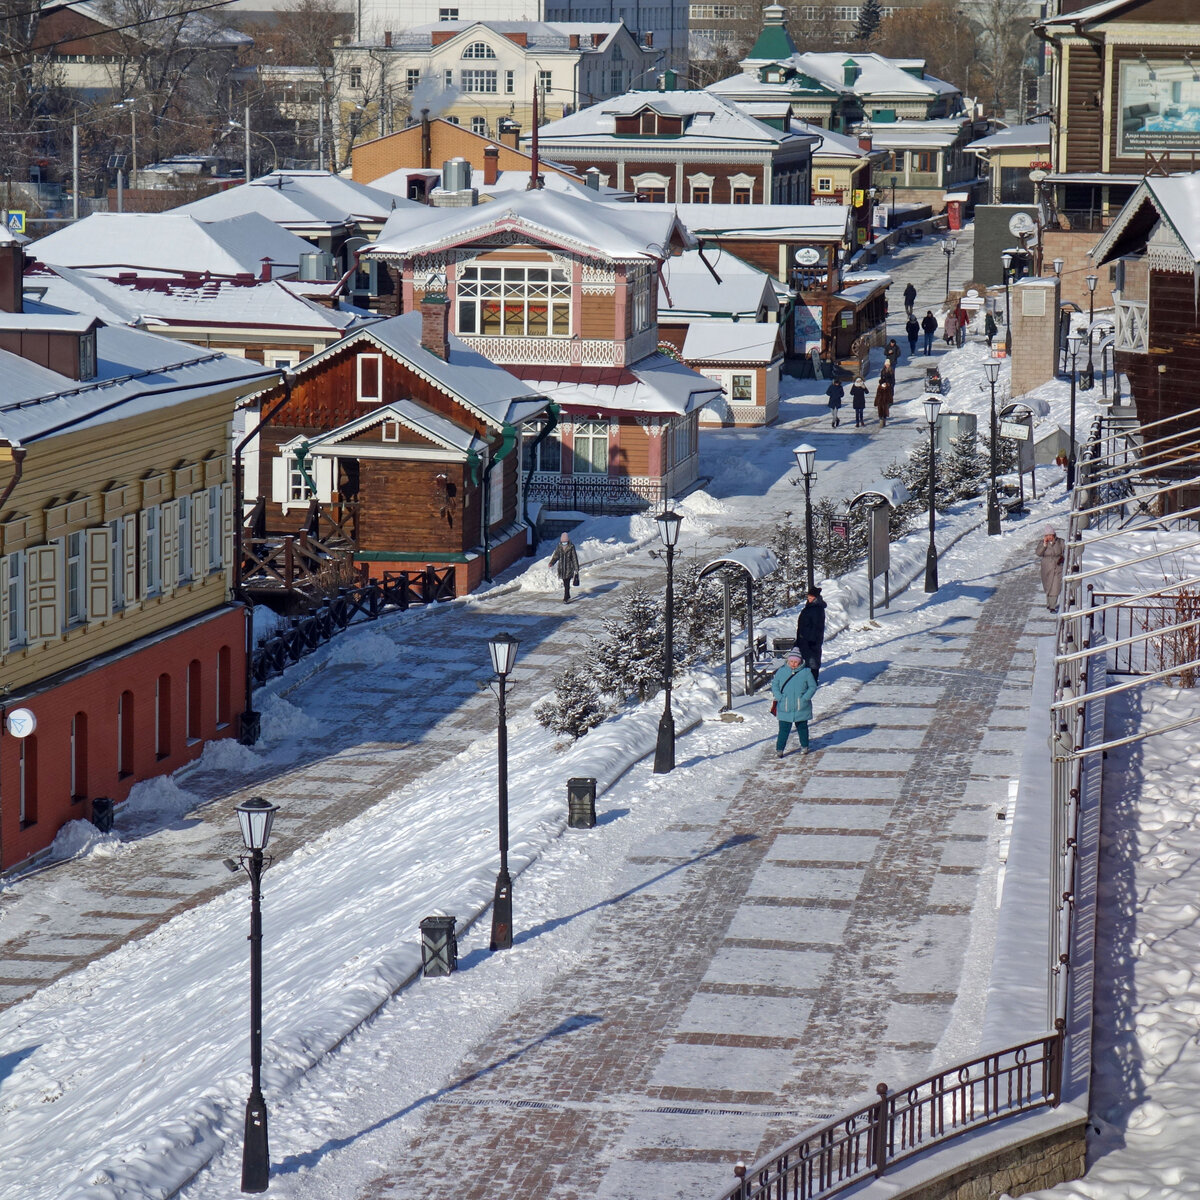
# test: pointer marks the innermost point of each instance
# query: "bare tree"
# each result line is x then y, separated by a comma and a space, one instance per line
1004, 30
946, 40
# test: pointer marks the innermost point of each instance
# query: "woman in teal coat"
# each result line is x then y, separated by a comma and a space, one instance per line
793, 687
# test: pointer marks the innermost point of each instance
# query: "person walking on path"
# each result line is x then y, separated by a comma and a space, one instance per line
891, 352
793, 686
910, 298
951, 329
858, 397
929, 326
913, 329
989, 328
566, 559
1052, 550
810, 632
835, 392
885, 393
960, 315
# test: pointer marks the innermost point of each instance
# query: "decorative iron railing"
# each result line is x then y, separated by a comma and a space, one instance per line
599, 495
863, 1144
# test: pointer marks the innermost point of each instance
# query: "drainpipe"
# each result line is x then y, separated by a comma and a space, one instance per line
508, 440
249, 725
551, 424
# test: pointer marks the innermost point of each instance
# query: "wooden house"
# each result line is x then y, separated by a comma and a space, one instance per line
561, 291
116, 526
410, 438
746, 360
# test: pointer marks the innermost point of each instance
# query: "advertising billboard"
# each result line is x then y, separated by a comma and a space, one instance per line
1159, 107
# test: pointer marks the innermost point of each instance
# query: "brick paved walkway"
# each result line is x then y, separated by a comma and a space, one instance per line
812, 947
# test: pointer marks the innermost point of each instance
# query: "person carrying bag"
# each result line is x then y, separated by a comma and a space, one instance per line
792, 686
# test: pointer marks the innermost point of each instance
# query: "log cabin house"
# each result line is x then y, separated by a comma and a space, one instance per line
561, 292
409, 437
116, 528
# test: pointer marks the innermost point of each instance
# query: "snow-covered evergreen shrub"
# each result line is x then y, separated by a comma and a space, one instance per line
629, 660
576, 706
699, 614
963, 471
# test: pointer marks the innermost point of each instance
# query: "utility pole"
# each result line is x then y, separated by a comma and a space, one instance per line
75, 172
321, 133
247, 143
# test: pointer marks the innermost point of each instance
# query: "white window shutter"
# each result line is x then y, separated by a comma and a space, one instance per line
170, 546
99, 574
143, 556
5, 615
279, 478
322, 475
199, 535
227, 524
130, 542
43, 587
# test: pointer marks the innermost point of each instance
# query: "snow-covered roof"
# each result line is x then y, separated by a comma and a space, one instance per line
656, 384
609, 230
300, 200
47, 322
1035, 134
544, 36
904, 134
708, 119
136, 373
833, 145
1092, 12
171, 243
195, 30
828, 221
757, 561
876, 76
478, 384
687, 286
864, 288
733, 342
506, 181
408, 413
176, 301
1176, 201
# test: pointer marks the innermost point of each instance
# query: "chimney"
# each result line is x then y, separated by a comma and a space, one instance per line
265, 273
12, 270
509, 133
649, 36
387, 39
440, 36
535, 180
521, 39
597, 38
591, 177
864, 141
426, 152
435, 324
491, 165
573, 40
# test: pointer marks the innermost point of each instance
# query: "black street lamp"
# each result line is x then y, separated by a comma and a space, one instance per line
664, 751
1006, 258
1074, 340
873, 194
255, 817
806, 457
933, 406
948, 247
1090, 370
892, 210
991, 367
503, 648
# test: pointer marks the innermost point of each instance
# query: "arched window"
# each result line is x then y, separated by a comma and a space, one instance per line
125, 735
224, 685
479, 50
162, 717
479, 126
194, 719
79, 749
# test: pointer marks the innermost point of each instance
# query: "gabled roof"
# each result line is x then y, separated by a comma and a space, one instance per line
300, 200
686, 287
1092, 12
744, 342
608, 231
506, 181
708, 119
1035, 134
137, 373
655, 384
177, 301
774, 42
490, 392
1171, 201
876, 76
440, 430
172, 243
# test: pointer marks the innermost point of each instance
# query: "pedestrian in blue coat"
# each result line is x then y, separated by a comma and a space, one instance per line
793, 687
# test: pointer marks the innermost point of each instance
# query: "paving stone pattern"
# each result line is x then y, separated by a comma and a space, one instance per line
816, 955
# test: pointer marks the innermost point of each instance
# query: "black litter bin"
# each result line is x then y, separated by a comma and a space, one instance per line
439, 946
581, 803
102, 814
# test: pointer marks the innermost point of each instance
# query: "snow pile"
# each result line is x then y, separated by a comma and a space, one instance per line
369, 646
160, 799
225, 754
282, 721
79, 838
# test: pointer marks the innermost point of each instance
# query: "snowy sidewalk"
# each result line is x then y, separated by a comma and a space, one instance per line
763, 943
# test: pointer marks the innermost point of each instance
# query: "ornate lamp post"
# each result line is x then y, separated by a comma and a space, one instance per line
255, 817
1058, 266
933, 406
503, 649
806, 457
1074, 340
948, 247
664, 751
1090, 370
1006, 258
873, 194
991, 367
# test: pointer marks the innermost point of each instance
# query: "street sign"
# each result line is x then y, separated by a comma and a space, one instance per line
16, 220
1014, 429
839, 527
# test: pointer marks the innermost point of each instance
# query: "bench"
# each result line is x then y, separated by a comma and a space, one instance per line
1013, 506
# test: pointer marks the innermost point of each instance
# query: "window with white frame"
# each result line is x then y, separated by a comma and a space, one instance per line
183, 572
477, 81
412, 77
151, 551
15, 585
824, 183
282, 358
701, 188
448, 80
447, 14
479, 125
496, 494
545, 82
741, 189
651, 187
741, 388
510, 82
544, 457
76, 549
369, 375
479, 50
683, 439
639, 285
356, 79
116, 562
514, 301
298, 490
591, 448
389, 431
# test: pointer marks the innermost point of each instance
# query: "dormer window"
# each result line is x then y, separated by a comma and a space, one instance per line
649, 122
87, 355
479, 50
774, 75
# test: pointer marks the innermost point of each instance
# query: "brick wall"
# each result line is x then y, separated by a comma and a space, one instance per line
1034, 333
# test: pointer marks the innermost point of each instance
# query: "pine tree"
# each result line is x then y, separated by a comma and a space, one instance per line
629, 660
699, 614
870, 17
576, 706
963, 470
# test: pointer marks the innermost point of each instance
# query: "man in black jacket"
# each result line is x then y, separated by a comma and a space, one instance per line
810, 631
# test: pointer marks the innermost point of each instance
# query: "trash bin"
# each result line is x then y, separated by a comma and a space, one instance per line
102, 814
581, 803
439, 946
